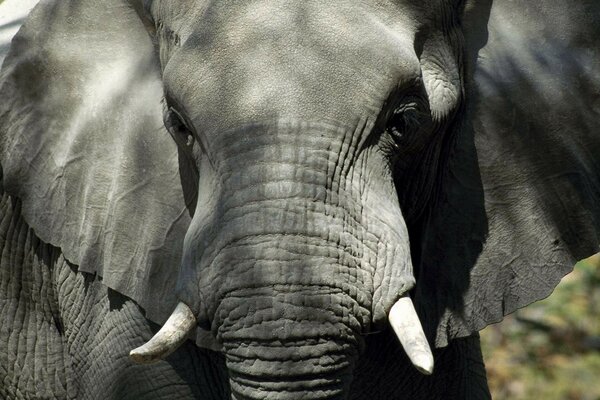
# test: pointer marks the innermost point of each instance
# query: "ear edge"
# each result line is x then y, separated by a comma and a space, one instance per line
139, 156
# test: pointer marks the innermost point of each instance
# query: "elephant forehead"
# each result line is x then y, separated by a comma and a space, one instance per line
261, 60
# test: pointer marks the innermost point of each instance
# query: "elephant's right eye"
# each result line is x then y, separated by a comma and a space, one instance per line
175, 124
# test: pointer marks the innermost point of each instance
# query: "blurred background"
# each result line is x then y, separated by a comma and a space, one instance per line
551, 349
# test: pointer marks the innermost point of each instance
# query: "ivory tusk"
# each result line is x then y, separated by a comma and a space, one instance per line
406, 324
168, 338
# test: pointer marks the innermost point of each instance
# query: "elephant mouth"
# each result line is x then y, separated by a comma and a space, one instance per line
402, 317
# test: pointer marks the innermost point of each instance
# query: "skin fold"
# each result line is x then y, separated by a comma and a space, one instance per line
287, 171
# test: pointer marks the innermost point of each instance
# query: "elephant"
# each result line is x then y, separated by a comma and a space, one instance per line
227, 199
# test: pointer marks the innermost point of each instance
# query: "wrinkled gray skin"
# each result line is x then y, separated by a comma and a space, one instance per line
288, 170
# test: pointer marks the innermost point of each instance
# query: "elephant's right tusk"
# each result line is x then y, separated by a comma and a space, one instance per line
168, 338
406, 324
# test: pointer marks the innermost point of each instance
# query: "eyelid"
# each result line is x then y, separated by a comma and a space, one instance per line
174, 106
409, 106
181, 118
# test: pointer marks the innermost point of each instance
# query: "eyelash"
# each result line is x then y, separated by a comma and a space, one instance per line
406, 120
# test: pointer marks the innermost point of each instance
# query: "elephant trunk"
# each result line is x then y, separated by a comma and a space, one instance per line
328, 381
298, 247
282, 345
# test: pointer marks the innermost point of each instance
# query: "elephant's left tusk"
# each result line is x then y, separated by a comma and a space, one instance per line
168, 338
407, 326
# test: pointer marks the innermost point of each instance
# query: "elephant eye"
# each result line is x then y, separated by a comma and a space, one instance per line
405, 122
177, 127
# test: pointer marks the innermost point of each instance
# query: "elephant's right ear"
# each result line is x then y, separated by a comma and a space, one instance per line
83, 147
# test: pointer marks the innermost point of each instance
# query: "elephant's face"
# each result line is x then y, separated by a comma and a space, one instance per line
303, 117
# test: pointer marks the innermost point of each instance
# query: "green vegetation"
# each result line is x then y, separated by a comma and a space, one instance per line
551, 349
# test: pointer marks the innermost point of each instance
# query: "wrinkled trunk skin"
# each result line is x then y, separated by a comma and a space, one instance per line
281, 345
296, 249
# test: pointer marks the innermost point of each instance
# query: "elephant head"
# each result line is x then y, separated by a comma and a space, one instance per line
287, 176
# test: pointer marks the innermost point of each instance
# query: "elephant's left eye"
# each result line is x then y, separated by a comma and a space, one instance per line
175, 124
406, 122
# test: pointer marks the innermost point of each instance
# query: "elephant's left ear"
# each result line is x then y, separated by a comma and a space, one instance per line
82, 146
520, 202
